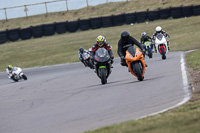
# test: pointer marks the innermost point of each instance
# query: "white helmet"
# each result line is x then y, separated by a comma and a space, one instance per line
158, 29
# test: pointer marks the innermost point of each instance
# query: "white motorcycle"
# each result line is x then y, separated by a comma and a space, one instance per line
17, 74
161, 45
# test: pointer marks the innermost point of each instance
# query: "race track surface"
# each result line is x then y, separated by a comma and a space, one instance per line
69, 98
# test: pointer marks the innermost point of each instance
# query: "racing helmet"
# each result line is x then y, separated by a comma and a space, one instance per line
81, 50
9, 67
100, 40
158, 29
125, 35
144, 34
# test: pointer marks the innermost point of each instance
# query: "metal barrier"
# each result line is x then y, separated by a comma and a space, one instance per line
25, 8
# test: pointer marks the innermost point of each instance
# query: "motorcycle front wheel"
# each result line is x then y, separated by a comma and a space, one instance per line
138, 70
24, 77
163, 53
103, 76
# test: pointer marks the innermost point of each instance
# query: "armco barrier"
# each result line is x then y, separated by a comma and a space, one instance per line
176, 12
37, 31
84, 24
49, 29
141, 16
25, 33
96, 23
196, 10
107, 21
3, 37
72, 26
130, 18
118, 19
153, 15
13, 34
165, 13
61, 27
187, 11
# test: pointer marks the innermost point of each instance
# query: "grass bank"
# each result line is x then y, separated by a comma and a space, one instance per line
184, 119
59, 49
93, 11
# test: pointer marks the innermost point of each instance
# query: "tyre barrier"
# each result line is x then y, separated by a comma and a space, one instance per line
61, 27
49, 29
130, 18
25, 33
13, 34
176, 12
187, 11
153, 15
72, 26
37, 31
118, 19
84, 24
196, 10
3, 37
96, 23
141, 16
107, 21
165, 13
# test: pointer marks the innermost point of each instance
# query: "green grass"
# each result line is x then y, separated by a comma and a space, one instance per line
193, 60
93, 11
59, 49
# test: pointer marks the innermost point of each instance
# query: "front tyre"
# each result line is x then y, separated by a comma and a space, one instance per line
163, 53
138, 70
24, 77
149, 53
103, 76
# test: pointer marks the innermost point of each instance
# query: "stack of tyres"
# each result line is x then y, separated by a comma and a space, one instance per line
130, 18
176, 12
187, 11
61, 27
13, 35
96, 23
141, 17
49, 29
196, 10
118, 19
37, 31
153, 15
25, 33
165, 13
107, 21
84, 24
3, 37
73, 26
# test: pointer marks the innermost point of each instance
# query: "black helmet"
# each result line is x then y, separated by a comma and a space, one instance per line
81, 49
125, 35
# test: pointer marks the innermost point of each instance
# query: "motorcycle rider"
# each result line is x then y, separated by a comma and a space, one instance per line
144, 38
10, 69
123, 44
101, 42
159, 30
80, 52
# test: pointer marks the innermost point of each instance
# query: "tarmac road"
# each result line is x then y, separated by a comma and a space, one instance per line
69, 98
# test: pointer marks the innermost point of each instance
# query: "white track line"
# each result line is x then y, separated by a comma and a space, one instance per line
187, 92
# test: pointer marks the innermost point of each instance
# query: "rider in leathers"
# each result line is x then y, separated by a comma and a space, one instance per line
124, 43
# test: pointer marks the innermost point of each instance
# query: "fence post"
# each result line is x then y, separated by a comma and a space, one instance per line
6, 14
66, 5
46, 8
26, 10
87, 3
107, 1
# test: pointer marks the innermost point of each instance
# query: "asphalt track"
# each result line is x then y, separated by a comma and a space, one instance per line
69, 98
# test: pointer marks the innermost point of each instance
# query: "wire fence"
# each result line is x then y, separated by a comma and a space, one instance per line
47, 7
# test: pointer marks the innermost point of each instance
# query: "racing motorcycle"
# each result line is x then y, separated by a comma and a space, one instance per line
135, 61
161, 45
148, 49
102, 63
87, 60
17, 74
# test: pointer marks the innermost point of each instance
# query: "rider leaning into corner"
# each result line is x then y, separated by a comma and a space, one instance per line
80, 52
159, 30
123, 44
101, 42
9, 70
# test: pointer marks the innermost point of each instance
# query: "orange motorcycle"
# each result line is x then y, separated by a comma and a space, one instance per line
135, 61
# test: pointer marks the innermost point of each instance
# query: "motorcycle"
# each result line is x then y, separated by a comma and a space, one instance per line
87, 60
161, 45
148, 49
102, 63
135, 61
17, 75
